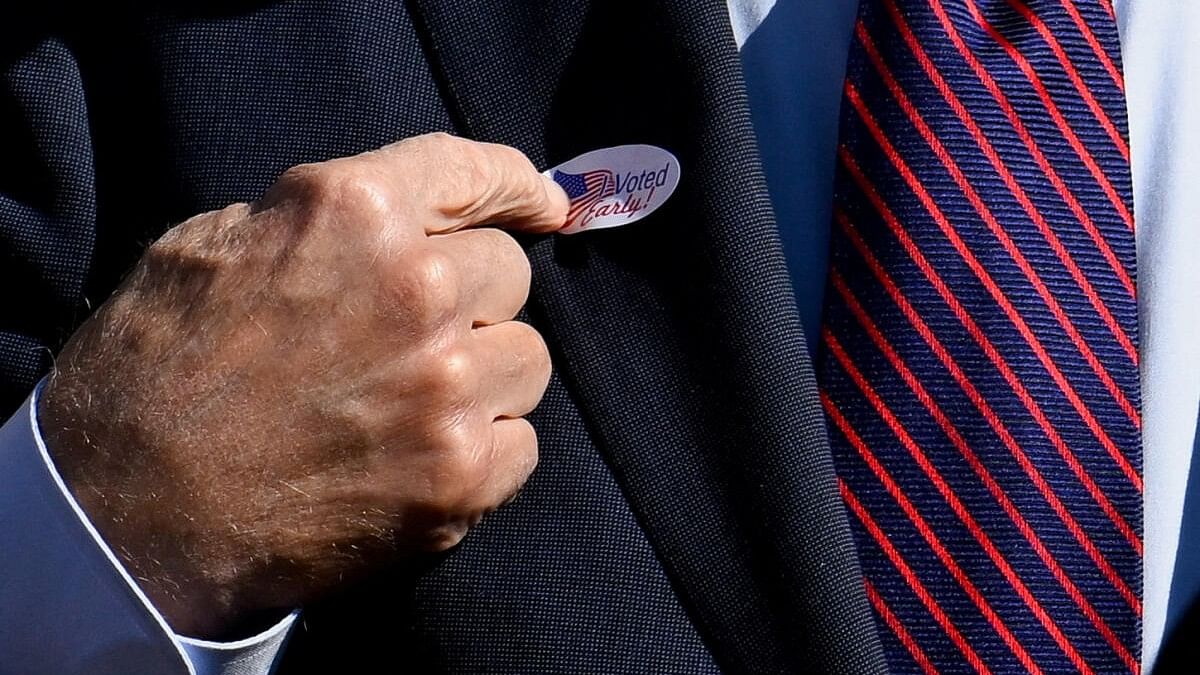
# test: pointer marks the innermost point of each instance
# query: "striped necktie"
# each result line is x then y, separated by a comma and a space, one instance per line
978, 358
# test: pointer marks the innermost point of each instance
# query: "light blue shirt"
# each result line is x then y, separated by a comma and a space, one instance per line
70, 607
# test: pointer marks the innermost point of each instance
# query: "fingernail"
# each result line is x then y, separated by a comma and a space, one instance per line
558, 196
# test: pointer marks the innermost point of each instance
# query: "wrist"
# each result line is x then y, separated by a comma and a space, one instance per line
159, 543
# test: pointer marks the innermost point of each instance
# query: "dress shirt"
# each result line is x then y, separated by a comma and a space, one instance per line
793, 52
80, 611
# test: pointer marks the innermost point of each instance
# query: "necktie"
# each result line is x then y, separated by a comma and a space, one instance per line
978, 357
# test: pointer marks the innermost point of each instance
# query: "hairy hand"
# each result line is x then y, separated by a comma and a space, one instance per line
287, 394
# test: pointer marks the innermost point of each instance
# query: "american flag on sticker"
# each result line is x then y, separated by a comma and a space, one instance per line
585, 189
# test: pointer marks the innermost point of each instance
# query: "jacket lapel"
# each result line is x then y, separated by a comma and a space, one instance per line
678, 335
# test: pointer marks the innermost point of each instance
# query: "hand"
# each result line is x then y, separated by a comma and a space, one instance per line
287, 394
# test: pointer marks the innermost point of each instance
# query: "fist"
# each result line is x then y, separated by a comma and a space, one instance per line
288, 394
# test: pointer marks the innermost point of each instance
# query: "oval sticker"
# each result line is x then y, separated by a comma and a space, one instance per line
616, 186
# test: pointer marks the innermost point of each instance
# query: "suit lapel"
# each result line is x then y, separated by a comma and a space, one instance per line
678, 335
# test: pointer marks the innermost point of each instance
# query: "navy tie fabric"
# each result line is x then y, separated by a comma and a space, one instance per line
979, 347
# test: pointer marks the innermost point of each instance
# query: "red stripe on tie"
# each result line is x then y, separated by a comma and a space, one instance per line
1069, 68
989, 349
932, 539
898, 628
981, 471
993, 289
993, 420
934, 609
954, 502
1051, 107
989, 218
1113, 71
1022, 132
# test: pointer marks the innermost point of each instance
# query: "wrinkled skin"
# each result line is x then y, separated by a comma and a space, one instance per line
288, 394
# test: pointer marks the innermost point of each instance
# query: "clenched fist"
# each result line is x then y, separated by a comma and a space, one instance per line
287, 394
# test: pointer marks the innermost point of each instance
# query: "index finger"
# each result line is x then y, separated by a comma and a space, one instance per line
466, 183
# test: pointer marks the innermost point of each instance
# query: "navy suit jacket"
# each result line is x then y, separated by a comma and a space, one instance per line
684, 517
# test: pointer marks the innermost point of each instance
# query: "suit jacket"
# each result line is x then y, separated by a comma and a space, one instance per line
684, 517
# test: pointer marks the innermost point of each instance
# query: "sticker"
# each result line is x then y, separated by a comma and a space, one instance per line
615, 186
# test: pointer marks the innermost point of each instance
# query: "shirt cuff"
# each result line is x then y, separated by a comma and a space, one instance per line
70, 606
251, 656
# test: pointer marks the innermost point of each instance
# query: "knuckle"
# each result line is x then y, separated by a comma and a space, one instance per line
460, 461
451, 381
473, 181
339, 183
482, 175
520, 178
524, 181
168, 246
185, 234
303, 180
440, 141
445, 498
472, 177
464, 465
428, 288
206, 242
511, 159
